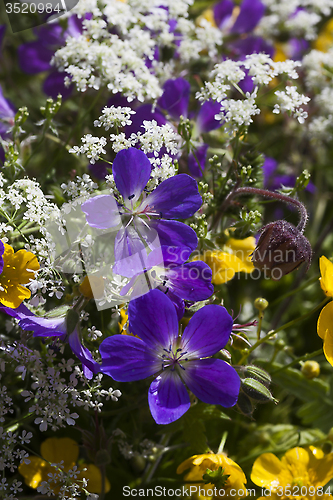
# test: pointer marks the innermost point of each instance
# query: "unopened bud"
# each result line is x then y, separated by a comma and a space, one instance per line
256, 390
138, 463
310, 369
259, 374
102, 457
261, 304
281, 249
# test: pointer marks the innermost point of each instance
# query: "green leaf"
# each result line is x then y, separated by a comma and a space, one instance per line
216, 477
317, 409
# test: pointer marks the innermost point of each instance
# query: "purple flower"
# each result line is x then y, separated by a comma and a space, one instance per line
2, 249
273, 181
7, 114
142, 218
2, 33
251, 11
166, 270
175, 361
35, 56
55, 327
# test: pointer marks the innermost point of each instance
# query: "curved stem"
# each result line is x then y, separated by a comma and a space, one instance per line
282, 197
269, 194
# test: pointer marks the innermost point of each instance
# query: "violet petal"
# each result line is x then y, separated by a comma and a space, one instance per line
167, 397
207, 332
126, 358
213, 381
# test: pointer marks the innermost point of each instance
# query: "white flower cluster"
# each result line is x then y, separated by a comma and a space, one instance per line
227, 75
318, 69
8, 491
81, 187
51, 394
115, 116
119, 47
152, 140
92, 147
291, 101
10, 454
296, 17
67, 484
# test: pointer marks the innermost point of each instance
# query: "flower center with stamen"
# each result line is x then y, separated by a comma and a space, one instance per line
173, 357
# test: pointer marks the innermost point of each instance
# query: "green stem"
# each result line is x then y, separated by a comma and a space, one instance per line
283, 327
298, 360
222, 443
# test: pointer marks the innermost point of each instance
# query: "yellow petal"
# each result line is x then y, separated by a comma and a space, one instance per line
94, 477
325, 330
297, 459
55, 450
326, 271
18, 269
265, 470
321, 470
13, 296
35, 472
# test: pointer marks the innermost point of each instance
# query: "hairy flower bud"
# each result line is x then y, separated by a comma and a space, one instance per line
281, 249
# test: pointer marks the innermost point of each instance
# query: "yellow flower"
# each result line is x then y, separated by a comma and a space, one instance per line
299, 467
234, 258
18, 269
56, 450
325, 38
326, 279
122, 322
325, 320
208, 15
198, 464
325, 330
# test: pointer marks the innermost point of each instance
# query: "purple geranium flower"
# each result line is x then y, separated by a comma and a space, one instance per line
2, 249
165, 269
7, 114
55, 327
175, 101
35, 56
144, 218
174, 361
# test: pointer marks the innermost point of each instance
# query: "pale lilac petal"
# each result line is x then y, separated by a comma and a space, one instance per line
131, 169
213, 381
102, 211
90, 366
175, 198
126, 358
153, 318
207, 332
167, 397
130, 253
